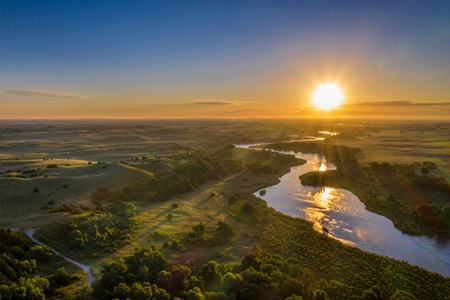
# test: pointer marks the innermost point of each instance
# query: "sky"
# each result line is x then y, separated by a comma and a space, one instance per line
227, 59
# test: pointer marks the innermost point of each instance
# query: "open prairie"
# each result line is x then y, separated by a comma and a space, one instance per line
49, 163
402, 142
45, 164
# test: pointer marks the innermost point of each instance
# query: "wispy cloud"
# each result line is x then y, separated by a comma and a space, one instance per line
211, 102
42, 93
430, 103
237, 111
397, 103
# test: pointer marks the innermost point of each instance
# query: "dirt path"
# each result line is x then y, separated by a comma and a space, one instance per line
30, 233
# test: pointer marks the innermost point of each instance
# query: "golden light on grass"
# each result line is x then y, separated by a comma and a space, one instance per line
327, 96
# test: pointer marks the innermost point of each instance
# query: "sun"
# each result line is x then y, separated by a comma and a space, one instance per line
327, 96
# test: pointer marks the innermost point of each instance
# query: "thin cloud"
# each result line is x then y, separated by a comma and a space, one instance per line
212, 102
240, 110
397, 103
431, 103
42, 93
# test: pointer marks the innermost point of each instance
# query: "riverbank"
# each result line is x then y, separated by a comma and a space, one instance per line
414, 209
416, 202
346, 218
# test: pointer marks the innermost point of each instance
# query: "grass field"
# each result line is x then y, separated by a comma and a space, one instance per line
117, 155
207, 204
403, 143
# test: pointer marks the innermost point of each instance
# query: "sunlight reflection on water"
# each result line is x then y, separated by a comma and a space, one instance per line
322, 167
339, 214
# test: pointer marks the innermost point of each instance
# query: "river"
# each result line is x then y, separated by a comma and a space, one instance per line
340, 214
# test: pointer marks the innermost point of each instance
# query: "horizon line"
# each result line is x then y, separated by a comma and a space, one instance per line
224, 118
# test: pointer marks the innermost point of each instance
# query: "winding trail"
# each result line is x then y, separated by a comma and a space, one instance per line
30, 233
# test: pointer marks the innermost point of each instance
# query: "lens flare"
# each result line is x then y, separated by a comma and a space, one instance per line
327, 96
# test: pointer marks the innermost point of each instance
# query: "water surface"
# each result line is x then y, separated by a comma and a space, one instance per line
341, 215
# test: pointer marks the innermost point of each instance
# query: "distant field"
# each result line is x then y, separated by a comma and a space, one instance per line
405, 143
30, 150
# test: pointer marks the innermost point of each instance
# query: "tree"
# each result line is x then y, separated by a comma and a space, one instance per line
224, 231
294, 297
180, 274
199, 229
121, 291
147, 262
290, 287
165, 280
60, 277
194, 281
424, 171
139, 291
40, 253
210, 270
231, 283
373, 293
126, 209
320, 295
195, 294
402, 295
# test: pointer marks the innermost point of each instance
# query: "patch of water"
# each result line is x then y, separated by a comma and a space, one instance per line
341, 215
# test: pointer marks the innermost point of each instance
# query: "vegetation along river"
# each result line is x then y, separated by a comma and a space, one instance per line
30, 233
341, 215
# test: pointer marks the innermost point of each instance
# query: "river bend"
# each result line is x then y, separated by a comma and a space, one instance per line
340, 214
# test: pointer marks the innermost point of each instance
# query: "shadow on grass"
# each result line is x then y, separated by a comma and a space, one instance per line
157, 226
206, 200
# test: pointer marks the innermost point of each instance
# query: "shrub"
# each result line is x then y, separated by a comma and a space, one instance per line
40, 253
36, 190
224, 231
177, 246
424, 171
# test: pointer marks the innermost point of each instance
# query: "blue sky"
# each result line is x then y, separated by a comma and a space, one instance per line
155, 56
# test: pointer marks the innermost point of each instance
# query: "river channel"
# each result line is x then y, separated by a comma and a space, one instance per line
341, 215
